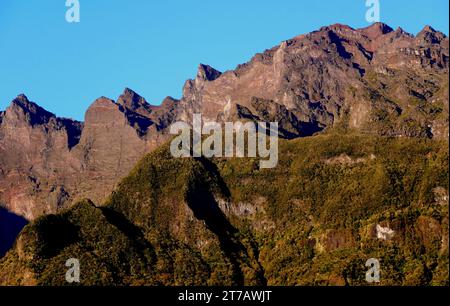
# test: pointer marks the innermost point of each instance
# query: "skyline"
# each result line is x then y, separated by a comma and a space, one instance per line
154, 48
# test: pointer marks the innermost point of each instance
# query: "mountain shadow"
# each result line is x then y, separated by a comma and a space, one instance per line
10, 226
203, 204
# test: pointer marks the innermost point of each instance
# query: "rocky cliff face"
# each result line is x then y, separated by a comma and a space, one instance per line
47, 162
375, 80
35, 159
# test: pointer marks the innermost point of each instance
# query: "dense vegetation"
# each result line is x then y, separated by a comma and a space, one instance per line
312, 220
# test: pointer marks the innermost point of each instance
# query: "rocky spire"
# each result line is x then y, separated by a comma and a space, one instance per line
33, 113
132, 100
207, 73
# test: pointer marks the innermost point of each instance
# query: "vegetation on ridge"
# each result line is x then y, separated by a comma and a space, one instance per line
312, 220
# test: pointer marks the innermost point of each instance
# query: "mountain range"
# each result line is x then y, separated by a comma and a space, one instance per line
364, 114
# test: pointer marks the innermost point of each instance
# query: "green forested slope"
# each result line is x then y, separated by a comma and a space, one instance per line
313, 220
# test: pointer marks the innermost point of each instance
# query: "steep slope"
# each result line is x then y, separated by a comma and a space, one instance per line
333, 202
35, 157
47, 162
375, 80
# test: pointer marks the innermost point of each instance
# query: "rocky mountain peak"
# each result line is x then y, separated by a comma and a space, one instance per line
102, 110
168, 102
23, 102
337, 27
399, 32
429, 28
207, 73
22, 107
103, 102
132, 100
376, 30
428, 35
21, 99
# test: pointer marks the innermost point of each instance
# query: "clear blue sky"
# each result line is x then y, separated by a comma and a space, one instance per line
154, 46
